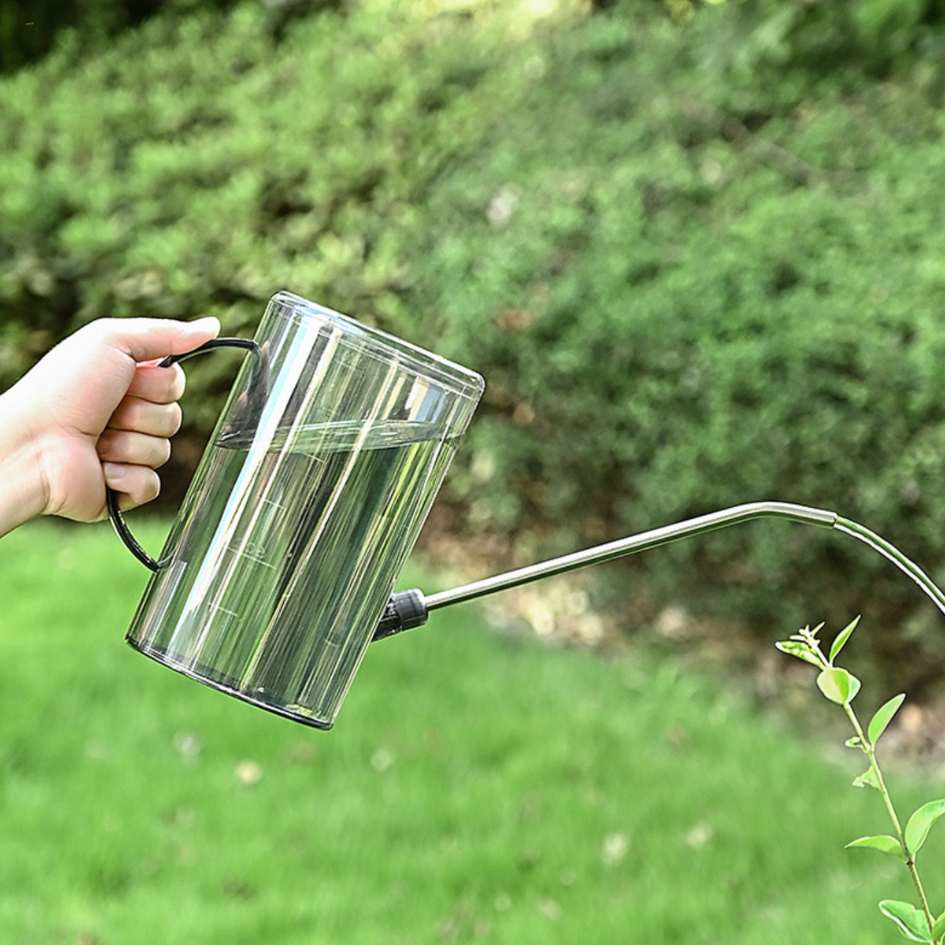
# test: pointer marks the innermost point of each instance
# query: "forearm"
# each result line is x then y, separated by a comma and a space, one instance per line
22, 489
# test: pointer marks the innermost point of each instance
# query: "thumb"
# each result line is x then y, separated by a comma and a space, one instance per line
144, 339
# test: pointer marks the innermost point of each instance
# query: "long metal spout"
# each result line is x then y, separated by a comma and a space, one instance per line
409, 609
631, 545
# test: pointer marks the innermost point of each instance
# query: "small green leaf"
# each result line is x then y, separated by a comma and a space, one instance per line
842, 638
920, 823
866, 779
884, 715
884, 843
938, 930
853, 741
800, 650
838, 685
911, 922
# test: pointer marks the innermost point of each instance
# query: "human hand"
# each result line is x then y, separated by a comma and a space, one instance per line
95, 411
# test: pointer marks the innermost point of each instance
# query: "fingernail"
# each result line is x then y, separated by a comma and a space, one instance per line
113, 471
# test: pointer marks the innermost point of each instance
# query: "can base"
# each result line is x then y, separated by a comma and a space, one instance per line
160, 657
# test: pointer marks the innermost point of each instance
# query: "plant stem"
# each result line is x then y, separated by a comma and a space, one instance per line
869, 750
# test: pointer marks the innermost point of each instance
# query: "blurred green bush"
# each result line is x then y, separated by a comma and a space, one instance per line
698, 264
29, 31
815, 36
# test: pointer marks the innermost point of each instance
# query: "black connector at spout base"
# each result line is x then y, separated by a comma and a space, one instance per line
404, 611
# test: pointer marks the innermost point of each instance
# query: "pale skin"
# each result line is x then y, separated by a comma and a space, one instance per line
96, 411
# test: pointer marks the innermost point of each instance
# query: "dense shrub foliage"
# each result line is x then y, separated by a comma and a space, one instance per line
699, 262
29, 30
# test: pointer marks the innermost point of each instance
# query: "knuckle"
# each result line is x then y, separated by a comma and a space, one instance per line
128, 414
114, 445
95, 330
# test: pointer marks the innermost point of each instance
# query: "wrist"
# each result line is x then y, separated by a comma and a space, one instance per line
22, 482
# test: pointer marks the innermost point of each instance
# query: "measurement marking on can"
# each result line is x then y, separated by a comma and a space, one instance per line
258, 560
231, 613
253, 555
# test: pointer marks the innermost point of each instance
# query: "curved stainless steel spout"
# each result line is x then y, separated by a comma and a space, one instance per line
408, 609
631, 545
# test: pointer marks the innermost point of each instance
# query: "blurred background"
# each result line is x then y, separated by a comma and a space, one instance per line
698, 252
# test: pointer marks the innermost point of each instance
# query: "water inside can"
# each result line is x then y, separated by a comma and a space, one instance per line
263, 595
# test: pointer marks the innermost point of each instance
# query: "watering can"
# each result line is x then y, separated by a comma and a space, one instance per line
280, 567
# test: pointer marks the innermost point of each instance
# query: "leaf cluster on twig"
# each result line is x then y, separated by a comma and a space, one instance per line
916, 923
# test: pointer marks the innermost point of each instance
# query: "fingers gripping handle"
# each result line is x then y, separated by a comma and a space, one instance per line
111, 497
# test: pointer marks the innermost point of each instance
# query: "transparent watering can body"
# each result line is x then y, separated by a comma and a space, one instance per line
307, 501
334, 441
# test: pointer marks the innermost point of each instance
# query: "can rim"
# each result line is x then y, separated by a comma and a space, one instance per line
460, 380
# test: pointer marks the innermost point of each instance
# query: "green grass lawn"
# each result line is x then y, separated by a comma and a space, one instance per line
476, 788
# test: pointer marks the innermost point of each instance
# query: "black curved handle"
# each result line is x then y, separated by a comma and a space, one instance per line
111, 497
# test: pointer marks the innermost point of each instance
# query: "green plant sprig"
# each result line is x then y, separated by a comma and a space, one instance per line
918, 924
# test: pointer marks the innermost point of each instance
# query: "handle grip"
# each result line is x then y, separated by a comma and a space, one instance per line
111, 497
